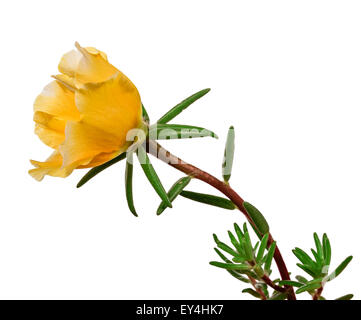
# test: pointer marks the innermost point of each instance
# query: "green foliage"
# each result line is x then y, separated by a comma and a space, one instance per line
152, 175
129, 184
94, 171
253, 262
172, 113
317, 267
228, 155
178, 131
257, 217
209, 199
145, 115
247, 260
173, 192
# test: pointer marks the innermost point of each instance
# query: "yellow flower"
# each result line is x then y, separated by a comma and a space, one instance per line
85, 114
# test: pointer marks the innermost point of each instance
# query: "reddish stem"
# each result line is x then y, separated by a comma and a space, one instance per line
159, 152
318, 293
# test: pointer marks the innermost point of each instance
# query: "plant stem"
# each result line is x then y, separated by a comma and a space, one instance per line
274, 286
159, 152
258, 289
318, 293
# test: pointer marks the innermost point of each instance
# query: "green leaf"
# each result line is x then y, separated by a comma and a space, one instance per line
339, 269
239, 232
209, 199
346, 297
174, 191
231, 266
222, 256
178, 131
301, 279
255, 247
129, 184
252, 292
247, 244
326, 249
319, 261
290, 283
309, 287
318, 246
152, 175
228, 155
262, 248
257, 217
94, 171
145, 114
224, 247
235, 243
279, 296
307, 269
269, 258
231, 272
239, 259
182, 106
304, 258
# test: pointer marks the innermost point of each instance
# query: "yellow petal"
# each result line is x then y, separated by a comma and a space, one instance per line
48, 136
57, 100
52, 166
83, 142
69, 63
53, 107
100, 159
86, 65
69, 82
113, 106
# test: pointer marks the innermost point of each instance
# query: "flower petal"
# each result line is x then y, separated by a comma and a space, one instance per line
69, 63
113, 106
48, 136
93, 66
53, 107
52, 166
83, 142
57, 100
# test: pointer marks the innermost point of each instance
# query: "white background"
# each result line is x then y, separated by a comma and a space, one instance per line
286, 74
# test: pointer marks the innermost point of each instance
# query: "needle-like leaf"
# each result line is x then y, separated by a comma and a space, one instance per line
235, 242
326, 249
257, 217
339, 269
221, 245
182, 106
209, 199
228, 155
268, 262
152, 175
307, 269
318, 246
262, 248
346, 297
232, 272
173, 192
178, 131
291, 283
247, 244
252, 292
239, 232
231, 266
129, 184
145, 114
304, 258
309, 287
301, 279
94, 171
